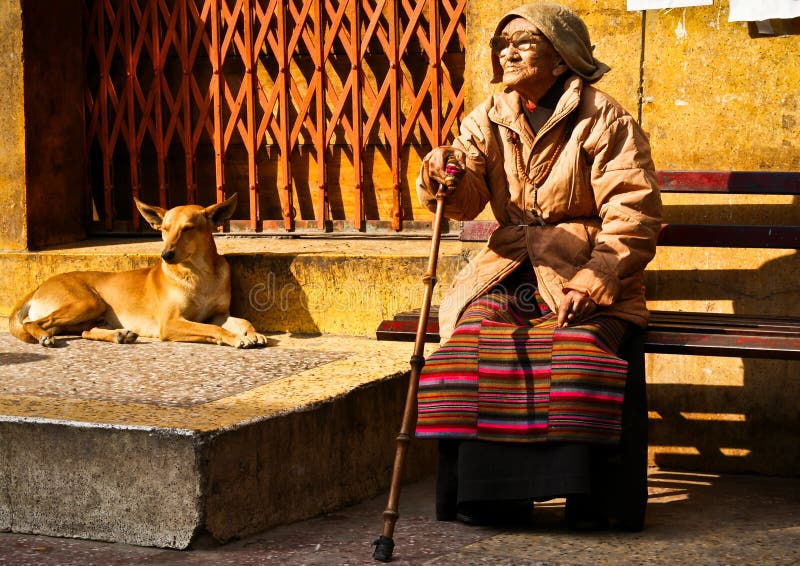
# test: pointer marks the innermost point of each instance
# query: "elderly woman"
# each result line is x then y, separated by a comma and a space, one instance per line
526, 393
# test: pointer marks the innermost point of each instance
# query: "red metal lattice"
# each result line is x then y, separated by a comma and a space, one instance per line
183, 92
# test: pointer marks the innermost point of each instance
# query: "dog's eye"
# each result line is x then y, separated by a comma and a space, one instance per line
187, 228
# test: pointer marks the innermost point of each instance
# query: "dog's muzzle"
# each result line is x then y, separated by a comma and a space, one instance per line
168, 256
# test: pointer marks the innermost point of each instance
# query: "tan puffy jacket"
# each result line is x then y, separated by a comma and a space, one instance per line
600, 202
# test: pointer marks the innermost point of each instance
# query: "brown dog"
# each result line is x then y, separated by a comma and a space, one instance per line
184, 298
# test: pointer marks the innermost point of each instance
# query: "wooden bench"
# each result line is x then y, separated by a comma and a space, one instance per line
690, 333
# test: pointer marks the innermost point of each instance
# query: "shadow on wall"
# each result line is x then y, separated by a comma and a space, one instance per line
265, 290
711, 416
344, 293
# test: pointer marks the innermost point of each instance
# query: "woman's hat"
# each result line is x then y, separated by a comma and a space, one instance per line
565, 30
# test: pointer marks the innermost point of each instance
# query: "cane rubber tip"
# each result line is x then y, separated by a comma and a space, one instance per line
384, 546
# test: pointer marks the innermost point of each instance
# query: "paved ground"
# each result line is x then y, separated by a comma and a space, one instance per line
692, 519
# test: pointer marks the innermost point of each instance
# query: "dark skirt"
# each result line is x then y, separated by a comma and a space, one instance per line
511, 471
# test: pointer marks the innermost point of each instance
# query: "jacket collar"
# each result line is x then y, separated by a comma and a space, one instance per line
507, 110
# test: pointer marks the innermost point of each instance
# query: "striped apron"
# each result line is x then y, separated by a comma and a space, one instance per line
508, 373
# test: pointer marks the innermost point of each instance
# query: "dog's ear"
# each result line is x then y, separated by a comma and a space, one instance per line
153, 214
219, 213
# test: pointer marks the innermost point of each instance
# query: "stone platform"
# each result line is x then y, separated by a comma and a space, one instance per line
168, 445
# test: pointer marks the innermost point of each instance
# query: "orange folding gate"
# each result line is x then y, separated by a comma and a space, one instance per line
309, 109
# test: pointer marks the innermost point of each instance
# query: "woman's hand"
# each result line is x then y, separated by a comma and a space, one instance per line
575, 307
446, 164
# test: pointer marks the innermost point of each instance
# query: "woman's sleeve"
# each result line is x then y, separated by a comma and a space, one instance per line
629, 204
472, 192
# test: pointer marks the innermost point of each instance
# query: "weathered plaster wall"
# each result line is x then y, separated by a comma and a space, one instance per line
716, 98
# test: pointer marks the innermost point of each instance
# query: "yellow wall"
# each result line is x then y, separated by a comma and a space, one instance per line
715, 98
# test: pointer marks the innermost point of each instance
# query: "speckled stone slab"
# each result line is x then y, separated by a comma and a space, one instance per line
151, 372
197, 387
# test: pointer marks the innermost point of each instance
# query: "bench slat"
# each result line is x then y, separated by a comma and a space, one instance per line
712, 317
732, 182
670, 319
406, 330
724, 323
711, 334
738, 346
729, 236
710, 235
706, 235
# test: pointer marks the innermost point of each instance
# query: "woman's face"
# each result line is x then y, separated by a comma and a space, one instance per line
532, 66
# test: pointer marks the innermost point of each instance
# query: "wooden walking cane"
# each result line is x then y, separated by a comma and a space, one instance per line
384, 545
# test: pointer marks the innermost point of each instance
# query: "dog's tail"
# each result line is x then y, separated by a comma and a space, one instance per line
17, 317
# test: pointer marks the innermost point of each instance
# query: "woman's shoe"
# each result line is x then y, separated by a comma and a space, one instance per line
496, 513
585, 513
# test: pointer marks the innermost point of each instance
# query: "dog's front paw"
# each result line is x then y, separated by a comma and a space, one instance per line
253, 340
244, 342
124, 336
258, 339
47, 341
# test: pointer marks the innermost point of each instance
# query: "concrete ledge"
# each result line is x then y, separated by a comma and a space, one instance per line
302, 285
171, 452
108, 483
